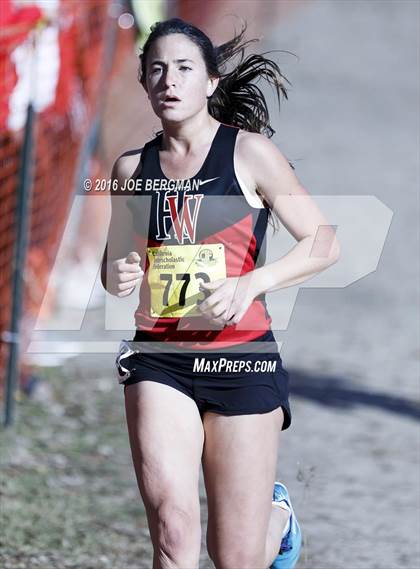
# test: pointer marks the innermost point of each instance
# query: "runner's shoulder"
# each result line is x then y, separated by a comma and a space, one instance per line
252, 150
123, 169
127, 163
251, 144
256, 154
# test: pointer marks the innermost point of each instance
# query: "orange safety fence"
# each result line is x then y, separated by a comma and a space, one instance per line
62, 61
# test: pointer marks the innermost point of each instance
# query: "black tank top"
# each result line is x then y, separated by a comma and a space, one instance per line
192, 229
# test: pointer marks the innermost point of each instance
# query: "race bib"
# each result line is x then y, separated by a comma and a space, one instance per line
175, 273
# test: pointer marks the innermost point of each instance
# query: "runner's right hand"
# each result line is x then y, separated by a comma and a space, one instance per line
126, 273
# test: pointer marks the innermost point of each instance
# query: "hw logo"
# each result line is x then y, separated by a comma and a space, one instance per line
179, 211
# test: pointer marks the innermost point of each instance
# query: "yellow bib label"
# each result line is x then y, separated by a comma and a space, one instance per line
175, 273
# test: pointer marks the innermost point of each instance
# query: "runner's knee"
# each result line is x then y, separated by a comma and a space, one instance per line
241, 556
178, 529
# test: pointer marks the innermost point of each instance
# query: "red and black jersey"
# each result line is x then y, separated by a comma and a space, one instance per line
207, 209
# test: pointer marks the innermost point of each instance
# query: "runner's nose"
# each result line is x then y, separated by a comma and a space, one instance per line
169, 77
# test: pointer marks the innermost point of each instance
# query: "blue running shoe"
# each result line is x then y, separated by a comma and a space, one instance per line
291, 543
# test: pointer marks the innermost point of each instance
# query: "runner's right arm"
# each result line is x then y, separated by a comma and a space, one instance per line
120, 268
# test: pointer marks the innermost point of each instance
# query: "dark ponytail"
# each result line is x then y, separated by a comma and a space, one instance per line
237, 100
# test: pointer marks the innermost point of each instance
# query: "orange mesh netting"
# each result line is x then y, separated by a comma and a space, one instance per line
72, 68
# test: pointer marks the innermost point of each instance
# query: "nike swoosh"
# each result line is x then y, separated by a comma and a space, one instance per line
202, 182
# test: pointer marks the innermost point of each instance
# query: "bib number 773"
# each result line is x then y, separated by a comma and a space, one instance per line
174, 276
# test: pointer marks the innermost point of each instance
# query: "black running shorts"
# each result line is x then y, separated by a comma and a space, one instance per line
229, 381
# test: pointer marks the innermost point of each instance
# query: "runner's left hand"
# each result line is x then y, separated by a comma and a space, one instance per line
229, 299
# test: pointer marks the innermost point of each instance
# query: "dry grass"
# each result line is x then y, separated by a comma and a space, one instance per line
69, 498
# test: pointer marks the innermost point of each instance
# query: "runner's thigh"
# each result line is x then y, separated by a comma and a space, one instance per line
239, 467
166, 438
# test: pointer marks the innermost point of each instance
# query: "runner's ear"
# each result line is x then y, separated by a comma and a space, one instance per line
212, 86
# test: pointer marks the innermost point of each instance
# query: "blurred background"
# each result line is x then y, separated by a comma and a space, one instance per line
70, 104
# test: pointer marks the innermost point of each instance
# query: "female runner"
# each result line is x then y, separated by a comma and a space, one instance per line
203, 379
